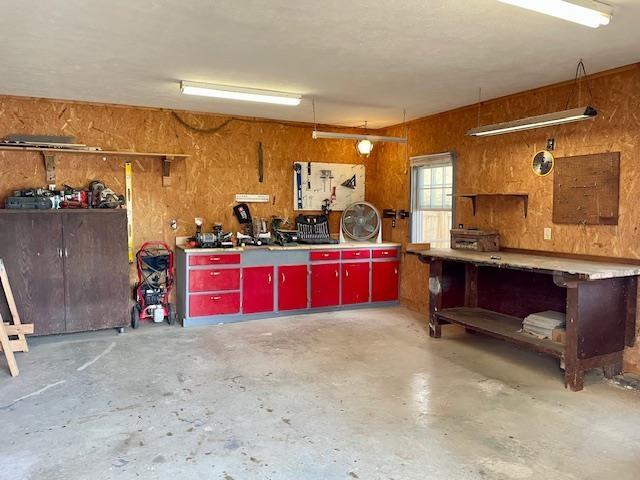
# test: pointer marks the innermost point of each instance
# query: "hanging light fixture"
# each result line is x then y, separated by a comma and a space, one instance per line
548, 119
364, 142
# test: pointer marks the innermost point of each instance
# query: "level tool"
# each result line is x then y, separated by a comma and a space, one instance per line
128, 203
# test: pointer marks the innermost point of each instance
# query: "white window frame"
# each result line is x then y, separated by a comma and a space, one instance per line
432, 160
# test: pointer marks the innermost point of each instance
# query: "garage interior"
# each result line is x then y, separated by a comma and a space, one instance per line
290, 240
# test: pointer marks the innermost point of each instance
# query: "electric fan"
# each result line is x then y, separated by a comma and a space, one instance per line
361, 222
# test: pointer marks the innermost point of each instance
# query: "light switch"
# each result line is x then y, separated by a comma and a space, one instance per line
547, 233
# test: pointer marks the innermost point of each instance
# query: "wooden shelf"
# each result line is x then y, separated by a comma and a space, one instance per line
500, 326
108, 153
50, 159
474, 197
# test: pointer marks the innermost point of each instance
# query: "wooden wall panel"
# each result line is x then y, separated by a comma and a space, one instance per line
221, 164
502, 164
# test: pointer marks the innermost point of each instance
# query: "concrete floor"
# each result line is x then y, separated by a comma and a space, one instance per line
357, 394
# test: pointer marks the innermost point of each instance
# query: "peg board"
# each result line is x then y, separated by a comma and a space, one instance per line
316, 188
586, 189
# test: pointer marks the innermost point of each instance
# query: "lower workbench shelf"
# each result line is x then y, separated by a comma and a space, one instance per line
500, 326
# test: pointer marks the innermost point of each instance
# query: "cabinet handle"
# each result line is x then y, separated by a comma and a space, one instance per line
357, 254
215, 298
59, 252
395, 270
283, 279
269, 279
325, 254
66, 253
385, 253
346, 273
215, 274
336, 273
214, 259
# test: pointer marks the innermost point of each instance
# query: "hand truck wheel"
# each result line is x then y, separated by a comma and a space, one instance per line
135, 316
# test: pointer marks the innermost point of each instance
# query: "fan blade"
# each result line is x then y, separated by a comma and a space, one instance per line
370, 215
348, 220
369, 228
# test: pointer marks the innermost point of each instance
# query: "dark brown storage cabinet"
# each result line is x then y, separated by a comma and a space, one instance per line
68, 268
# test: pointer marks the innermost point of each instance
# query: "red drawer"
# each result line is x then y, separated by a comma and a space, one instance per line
385, 253
215, 259
356, 254
212, 280
324, 255
217, 304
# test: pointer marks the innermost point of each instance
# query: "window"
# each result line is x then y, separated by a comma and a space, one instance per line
431, 199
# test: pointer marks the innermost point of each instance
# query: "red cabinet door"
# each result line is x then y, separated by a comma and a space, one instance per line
355, 283
325, 285
385, 281
257, 289
292, 287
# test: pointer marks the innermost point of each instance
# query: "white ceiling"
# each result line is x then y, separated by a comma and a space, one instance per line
361, 60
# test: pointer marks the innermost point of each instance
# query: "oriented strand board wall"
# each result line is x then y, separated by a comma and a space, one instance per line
502, 164
221, 164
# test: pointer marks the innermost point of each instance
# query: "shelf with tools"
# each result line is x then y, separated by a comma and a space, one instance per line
49, 156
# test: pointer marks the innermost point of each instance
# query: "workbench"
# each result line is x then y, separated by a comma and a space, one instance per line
228, 285
492, 292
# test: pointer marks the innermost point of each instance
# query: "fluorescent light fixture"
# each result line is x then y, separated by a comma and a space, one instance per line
529, 123
239, 93
354, 136
585, 12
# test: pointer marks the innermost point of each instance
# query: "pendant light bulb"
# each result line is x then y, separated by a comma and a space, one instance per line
364, 147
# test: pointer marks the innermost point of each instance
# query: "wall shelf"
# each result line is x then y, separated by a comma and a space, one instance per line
49, 156
474, 198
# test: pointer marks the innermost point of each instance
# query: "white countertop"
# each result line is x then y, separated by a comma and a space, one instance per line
587, 269
336, 246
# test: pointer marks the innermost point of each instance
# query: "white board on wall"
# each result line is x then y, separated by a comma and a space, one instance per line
319, 181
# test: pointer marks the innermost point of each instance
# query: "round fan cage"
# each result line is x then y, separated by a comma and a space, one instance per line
360, 221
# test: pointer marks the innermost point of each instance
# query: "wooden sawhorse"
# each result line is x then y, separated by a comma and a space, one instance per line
15, 329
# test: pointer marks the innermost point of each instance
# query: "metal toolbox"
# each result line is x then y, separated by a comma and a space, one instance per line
475, 240
29, 203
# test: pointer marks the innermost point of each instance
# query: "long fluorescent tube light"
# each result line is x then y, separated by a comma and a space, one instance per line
239, 93
585, 12
556, 118
354, 136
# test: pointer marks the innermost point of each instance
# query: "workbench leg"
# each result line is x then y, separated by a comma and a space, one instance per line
435, 329
612, 369
435, 297
574, 379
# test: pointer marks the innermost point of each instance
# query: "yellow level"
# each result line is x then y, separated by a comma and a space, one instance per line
129, 205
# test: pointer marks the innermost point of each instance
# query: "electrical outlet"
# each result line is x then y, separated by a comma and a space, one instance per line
547, 234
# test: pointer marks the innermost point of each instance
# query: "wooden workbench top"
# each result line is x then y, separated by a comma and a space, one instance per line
585, 269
